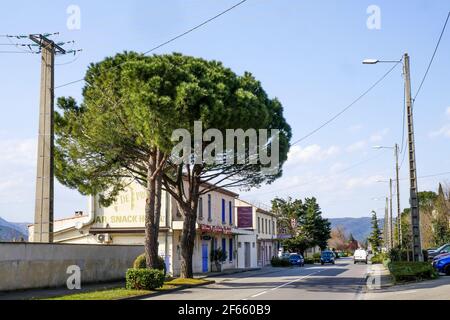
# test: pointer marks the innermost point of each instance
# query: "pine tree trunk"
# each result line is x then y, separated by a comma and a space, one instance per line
151, 230
187, 243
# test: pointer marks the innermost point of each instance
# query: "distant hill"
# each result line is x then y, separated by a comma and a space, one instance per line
10, 231
360, 228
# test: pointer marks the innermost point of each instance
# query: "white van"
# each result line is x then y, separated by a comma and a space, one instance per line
360, 256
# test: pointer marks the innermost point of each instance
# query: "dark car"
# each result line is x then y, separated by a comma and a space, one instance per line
297, 260
442, 265
441, 250
327, 257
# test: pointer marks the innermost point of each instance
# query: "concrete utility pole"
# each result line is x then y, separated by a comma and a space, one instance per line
43, 221
387, 232
391, 224
414, 198
399, 213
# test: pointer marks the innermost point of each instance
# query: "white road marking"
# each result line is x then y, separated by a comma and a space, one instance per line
286, 284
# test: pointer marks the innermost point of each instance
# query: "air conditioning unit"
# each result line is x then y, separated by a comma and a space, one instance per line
104, 238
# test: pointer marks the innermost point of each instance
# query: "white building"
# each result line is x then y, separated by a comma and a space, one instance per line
124, 223
263, 236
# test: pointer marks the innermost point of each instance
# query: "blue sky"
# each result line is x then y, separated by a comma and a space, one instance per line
306, 53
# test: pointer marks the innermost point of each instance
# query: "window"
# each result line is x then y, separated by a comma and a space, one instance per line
270, 228
231, 250
224, 245
265, 221
209, 208
259, 225
200, 208
273, 227
223, 212
230, 209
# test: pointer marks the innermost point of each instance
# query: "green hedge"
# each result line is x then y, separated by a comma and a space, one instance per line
379, 258
141, 263
309, 260
277, 262
412, 271
144, 279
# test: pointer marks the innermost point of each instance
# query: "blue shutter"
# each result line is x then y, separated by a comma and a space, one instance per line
231, 212
231, 250
223, 212
224, 245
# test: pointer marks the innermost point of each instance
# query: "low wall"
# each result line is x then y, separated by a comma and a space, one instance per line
31, 265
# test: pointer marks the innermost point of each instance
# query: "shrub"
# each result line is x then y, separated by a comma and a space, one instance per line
277, 262
379, 258
218, 255
141, 263
412, 271
316, 257
309, 260
144, 279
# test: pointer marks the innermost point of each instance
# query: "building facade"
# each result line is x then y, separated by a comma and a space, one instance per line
263, 226
123, 223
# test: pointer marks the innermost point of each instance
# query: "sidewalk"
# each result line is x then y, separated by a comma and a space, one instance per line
378, 277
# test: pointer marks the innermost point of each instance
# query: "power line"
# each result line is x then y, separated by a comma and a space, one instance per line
168, 41
432, 58
31, 52
347, 107
334, 175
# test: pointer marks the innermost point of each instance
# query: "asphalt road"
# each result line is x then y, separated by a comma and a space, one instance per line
343, 281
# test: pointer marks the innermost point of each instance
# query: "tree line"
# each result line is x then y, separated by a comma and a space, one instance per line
302, 222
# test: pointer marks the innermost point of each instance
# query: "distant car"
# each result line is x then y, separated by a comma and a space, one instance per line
441, 250
285, 256
297, 260
360, 256
327, 257
442, 265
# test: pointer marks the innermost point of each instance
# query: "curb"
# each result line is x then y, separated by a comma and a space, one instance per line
160, 293
228, 273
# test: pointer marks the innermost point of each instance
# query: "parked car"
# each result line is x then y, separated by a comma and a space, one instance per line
441, 250
327, 257
297, 260
442, 265
360, 256
441, 256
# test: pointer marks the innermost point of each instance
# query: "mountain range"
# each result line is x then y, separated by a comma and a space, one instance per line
10, 231
360, 228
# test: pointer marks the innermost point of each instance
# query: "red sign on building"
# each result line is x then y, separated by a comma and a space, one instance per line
245, 217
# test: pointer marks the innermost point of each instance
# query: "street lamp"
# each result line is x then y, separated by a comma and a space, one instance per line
414, 199
397, 178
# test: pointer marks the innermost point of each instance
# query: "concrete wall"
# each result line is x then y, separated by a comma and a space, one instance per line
29, 266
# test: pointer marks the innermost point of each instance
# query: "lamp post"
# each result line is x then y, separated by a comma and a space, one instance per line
397, 178
414, 199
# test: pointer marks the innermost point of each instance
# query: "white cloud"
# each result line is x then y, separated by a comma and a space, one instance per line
310, 153
448, 111
355, 128
443, 132
18, 152
357, 146
358, 182
379, 136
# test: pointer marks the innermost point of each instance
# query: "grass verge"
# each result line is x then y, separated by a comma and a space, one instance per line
121, 293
